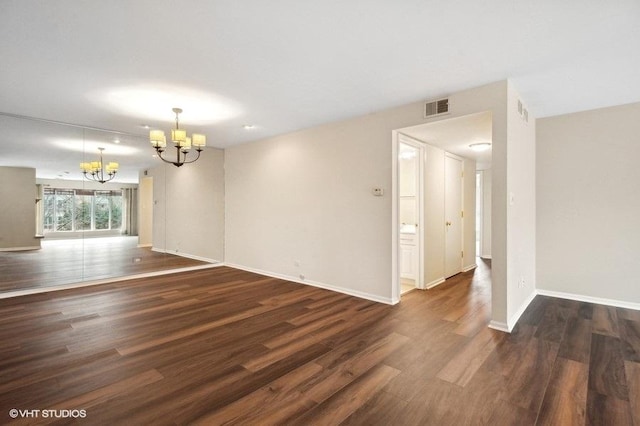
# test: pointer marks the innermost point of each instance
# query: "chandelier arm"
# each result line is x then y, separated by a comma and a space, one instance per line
179, 162
194, 160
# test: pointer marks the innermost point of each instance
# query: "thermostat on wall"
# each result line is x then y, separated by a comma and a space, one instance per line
378, 192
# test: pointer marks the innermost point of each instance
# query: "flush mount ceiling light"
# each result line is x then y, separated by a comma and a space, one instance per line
96, 170
480, 146
181, 142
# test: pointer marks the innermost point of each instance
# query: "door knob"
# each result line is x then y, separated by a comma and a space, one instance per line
448, 223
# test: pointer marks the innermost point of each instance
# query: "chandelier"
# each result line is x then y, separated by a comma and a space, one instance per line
95, 170
180, 140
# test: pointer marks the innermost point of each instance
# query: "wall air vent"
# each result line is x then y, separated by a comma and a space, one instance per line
439, 107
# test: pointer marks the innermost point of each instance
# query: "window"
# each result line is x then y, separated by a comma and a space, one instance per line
68, 210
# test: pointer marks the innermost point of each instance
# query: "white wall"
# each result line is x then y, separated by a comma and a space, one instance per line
485, 249
145, 211
189, 207
588, 188
18, 208
521, 210
305, 199
469, 220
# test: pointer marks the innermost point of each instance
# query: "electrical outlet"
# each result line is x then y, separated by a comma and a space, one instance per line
521, 282
302, 277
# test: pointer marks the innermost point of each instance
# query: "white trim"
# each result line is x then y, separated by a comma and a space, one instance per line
498, 325
396, 289
20, 248
435, 283
81, 284
396, 139
590, 299
187, 255
486, 257
145, 245
511, 322
470, 267
350, 292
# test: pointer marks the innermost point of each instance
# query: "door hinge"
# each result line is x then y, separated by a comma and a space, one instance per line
462, 253
462, 213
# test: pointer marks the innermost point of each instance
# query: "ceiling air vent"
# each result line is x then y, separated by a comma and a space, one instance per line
441, 106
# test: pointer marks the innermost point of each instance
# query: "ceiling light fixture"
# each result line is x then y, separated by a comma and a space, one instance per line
480, 146
95, 170
248, 126
181, 141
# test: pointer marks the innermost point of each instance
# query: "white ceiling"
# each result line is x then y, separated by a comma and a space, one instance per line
292, 64
456, 134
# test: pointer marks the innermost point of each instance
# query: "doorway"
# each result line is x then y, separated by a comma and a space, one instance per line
410, 196
449, 226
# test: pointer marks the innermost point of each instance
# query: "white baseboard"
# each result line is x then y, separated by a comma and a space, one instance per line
350, 292
144, 245
435, 283
470, 267
21, 248
511, 322
590, 299
187, 255
500, 326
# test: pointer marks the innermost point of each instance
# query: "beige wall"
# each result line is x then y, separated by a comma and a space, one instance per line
588, 188
301, 204
18, 209
189, 207
469, 220
521, 209
145, 211
485, 250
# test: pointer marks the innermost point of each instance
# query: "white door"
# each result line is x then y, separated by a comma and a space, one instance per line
453, 215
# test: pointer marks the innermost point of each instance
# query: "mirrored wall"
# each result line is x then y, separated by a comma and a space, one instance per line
60, 226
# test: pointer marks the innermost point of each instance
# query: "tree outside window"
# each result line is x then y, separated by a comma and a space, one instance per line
67, 210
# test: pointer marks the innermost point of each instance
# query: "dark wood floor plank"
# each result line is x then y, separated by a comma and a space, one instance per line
553, 323
607, 410
528, 382
461, 369
630, 339
344, 403
605, 320
632, 370
565, 400
279, 392
227, 346
576, 342
606, 372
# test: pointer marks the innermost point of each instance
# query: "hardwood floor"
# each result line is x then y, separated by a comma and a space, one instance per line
62, 262
223, 346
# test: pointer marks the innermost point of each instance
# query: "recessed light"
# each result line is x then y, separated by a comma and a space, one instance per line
144, 126
480, 146
116, 141
248, 127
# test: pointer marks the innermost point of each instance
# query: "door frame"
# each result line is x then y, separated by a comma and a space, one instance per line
395, 213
